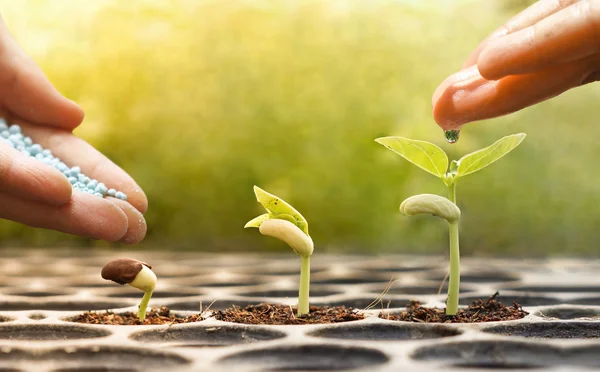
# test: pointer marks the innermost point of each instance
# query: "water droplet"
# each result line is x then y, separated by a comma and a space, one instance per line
451, 135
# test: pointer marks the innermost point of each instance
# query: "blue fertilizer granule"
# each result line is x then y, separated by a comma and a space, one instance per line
12, 136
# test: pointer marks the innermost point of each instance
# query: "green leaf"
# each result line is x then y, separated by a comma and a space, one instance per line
480, 159
424, 155
256, 222
279, 209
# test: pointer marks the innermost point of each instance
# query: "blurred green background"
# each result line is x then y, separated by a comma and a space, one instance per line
200, 100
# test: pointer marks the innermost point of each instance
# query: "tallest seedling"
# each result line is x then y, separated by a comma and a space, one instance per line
434, 160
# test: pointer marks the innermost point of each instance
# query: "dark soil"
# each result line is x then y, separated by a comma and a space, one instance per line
281, 314
484, 310
153, 317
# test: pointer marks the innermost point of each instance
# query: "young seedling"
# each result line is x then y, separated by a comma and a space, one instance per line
287, 224
135, 273
434, 160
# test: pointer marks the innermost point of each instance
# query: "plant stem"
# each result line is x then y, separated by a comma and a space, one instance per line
143, 305
454, 280
304, 287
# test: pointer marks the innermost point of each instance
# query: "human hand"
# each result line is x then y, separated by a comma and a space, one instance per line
36, 194
549, 48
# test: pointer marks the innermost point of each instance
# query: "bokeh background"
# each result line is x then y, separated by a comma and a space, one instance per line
201, 99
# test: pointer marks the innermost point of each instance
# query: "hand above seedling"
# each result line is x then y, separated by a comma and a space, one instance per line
545, 50
135, 273
37, 194
434, 160
287, 224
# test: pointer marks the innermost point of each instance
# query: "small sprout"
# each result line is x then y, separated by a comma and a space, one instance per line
287, 224
135, 273
434, 160
443, 208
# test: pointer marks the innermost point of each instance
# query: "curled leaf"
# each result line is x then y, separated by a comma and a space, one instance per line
430, 204
279, 209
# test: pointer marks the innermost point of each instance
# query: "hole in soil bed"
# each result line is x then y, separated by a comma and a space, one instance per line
42, 332
100, 369
308, 358
585, 301
569, 313
521, 300
495, 365
291, 271
60, 306
37, 316
91, 358
91, 285
361, 280
484, 277
509, 355
239, 283
386, 332
163, 294
290, 293
216, 305
363, 303
548, 330
398, 269
490, 354
37, 294
208, 336
560, 289
423, 290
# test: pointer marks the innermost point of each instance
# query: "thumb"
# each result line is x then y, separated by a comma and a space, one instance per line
27, 93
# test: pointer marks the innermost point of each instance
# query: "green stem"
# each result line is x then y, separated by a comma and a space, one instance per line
454, 279
452, 192
143, 305
303, 308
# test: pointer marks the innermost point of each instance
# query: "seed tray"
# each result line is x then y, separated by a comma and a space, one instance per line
42, 291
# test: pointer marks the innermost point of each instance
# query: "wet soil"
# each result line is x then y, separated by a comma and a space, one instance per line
483, 310
280, 314
153, 317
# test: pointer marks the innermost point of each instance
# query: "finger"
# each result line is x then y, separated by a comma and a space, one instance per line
75, 151
31, 179
136, 230
461, 76
86, 215
565, 36
477, 98
526, 18
27, 93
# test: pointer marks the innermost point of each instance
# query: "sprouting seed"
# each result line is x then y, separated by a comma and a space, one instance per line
135, 273
287, 224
